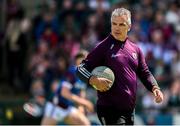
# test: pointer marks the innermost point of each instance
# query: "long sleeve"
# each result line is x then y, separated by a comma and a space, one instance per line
95, 58
144, 74
83, 73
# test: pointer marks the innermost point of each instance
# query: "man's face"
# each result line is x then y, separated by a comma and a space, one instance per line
119, 27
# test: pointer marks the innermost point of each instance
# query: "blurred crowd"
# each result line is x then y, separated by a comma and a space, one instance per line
42, 48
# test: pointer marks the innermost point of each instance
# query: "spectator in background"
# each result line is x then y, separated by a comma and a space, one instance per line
81, 13
172, 14
16, 49
13, 8
96, 4
101, 25
41, 63
174, 97
70, 26
89, 34
37, 65
175, 67
49, 19
158, 43
50, 37
70, 45
159, 24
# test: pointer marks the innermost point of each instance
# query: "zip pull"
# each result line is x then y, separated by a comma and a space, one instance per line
112, 46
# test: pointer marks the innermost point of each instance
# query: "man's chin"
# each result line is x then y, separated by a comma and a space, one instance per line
117, 37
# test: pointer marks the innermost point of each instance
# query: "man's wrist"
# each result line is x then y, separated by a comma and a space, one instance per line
155, 87
92, 80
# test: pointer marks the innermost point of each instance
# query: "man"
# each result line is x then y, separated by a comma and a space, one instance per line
116, 105
69, 102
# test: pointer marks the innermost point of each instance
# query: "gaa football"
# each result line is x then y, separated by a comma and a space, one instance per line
105, 72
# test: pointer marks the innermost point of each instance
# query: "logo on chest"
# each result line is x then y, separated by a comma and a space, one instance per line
115, 55
134, 55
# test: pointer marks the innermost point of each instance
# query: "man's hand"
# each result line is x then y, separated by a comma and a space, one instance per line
158, 95
101, 84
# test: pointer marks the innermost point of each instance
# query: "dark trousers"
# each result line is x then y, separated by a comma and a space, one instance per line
112, 116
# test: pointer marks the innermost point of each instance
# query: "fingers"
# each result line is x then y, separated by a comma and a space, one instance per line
103, 84
155, 93
106, 86
103, 90
158, 100
108, 81
158, 96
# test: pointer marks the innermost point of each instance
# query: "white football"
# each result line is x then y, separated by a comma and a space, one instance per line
105, 72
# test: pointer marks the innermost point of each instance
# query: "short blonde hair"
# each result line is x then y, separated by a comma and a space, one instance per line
120, 12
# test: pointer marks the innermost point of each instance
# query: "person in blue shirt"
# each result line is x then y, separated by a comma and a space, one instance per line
69, 103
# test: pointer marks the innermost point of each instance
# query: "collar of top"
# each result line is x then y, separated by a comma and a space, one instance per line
115, 41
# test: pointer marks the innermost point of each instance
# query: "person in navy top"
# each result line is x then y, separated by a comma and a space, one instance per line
116, 105
69, 103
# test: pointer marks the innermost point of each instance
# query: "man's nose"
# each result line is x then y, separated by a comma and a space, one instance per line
117, 28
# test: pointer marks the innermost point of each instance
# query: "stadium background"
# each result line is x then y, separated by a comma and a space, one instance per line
37, 36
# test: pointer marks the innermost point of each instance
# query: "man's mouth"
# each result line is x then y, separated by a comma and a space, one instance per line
117, 33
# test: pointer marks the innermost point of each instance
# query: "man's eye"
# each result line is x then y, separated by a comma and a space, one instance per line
122, 25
